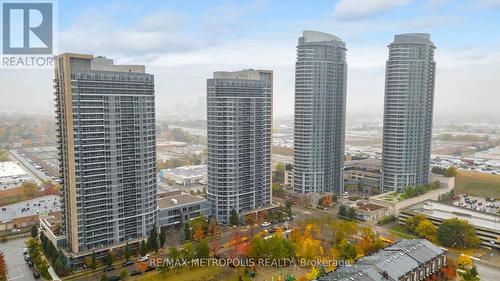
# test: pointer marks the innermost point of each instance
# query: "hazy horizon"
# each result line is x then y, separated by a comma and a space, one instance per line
183, 43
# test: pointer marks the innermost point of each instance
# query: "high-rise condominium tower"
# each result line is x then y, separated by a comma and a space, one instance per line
320, 101
409, 98
239, 121
106, 140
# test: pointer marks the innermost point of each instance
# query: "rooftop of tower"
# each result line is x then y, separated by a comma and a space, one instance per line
413, 38
245, 74
101, 63
318, 36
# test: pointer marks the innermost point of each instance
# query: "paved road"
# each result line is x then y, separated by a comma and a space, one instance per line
17, 268
487, 271
35, 174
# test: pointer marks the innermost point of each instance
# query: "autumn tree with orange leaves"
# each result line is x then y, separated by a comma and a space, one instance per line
3, 267
449, 272
142, 266
326, 200
198, 233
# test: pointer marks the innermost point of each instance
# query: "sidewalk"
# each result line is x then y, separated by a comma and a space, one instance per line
53, 274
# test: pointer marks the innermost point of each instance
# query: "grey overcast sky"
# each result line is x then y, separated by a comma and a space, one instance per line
183, 42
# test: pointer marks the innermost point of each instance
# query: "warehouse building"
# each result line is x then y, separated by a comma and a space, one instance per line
12, 175
186, 175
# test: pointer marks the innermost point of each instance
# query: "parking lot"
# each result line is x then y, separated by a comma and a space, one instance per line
477, 203
17, 268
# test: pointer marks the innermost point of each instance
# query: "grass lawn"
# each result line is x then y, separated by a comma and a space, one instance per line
477, 184
393, 197
401, 231
283, 150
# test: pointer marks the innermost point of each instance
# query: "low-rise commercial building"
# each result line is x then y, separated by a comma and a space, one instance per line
366, 174
405, 260
186, 175
177, 207
487, 225
367, 211
12, 175
26, 213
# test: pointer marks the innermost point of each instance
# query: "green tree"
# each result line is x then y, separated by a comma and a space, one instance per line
93, 263
471, 275
409, 192
436, 184
34, 231
186, 233
427, 230
343, 211
127, 252
421, 189
174, 255
278, 190
413, 222
61, 265
30, 189
202, 249
257, 248
351, 213
164, 270
279, 174
143, 249
153, 239
288, 206
104, 277
123, 274
233, 218
451, 172
108, 260
347, 251
163, 237
457, 233
187, 252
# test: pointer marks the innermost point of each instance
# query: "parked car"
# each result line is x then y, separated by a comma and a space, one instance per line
25, 251
30, 263
127, 263
15, 230
109, 268
265, 224
144, 258
135, 272
150, 268
27, 258
36, 274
